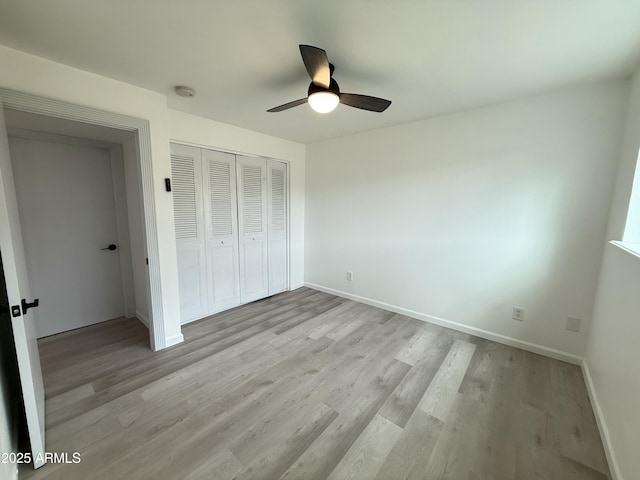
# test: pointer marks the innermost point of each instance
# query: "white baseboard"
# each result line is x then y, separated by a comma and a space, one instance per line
296, 286
602, 424
175, 340
186, 322
144, 320
169, 342
478, 332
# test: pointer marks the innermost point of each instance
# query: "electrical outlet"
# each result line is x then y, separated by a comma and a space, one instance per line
350, 276
518, 314
573, 324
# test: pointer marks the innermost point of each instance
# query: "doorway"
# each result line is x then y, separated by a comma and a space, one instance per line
71, 235
86, 118
80, 211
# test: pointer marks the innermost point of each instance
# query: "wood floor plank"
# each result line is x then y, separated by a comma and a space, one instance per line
276, 455
222, 466
78, 393
414, 448
442, 391
497, 419
416, 346
316, 326
368, 452
306, 385
481, 371
534, 383
577, 430
346, 314
403, 401
538, 454
455, 453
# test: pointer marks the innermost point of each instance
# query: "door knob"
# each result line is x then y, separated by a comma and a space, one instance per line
111, 247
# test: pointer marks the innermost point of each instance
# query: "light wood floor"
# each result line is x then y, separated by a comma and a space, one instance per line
305, 385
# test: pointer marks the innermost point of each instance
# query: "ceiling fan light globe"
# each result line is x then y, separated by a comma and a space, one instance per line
323, 102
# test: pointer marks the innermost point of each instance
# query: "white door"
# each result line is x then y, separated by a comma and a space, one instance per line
68, 219
186, 180
221, 219
15, 272
252, 219
277, 226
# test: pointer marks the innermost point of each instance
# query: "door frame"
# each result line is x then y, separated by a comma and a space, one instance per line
25, 102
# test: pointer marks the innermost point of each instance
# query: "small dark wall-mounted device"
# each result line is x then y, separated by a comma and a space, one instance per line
167, 184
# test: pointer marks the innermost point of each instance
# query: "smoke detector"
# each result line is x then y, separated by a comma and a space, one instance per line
185, 91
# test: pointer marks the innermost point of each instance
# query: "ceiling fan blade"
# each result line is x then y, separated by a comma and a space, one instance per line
289, 105
317, 64
365, 102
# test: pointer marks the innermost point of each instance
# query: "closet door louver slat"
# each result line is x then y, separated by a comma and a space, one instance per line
252, 193
220, 198
278, 203
184, 196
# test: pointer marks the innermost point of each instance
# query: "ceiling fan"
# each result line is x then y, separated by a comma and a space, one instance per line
324, 94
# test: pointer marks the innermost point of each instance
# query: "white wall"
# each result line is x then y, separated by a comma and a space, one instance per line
464, 216
612, 355
190, 129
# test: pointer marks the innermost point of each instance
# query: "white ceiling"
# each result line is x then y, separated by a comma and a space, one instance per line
241, 56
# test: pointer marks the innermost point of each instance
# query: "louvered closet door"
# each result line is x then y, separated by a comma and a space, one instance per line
252, 221
186, 167
277, 226
221, 218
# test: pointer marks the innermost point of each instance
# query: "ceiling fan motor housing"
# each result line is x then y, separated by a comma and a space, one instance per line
333, 88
